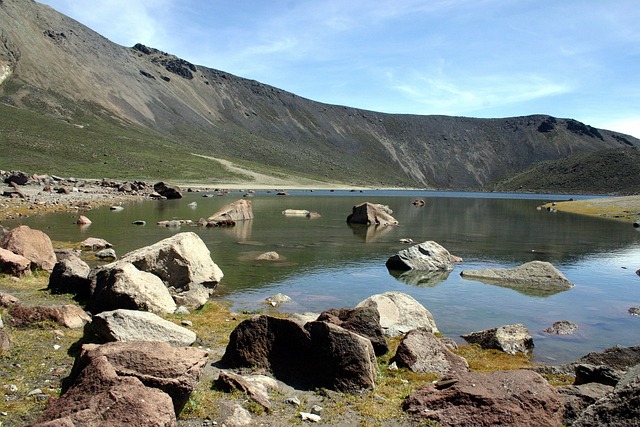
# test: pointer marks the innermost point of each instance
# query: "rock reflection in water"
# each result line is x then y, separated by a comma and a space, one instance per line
422, 278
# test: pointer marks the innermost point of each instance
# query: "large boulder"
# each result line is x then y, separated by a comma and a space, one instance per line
620, 408
511, 339
70, 316
429, 256
316, 355
576, 398
240, 210
168, 191
371, 214
535, 277
364, 321
14, 264
71, 275
400, 313
421, 351
127, 384
17, 177
178, 260
32, 244
132, 325
122, 285
513, 398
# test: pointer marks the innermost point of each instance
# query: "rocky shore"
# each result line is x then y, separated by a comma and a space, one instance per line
144, 341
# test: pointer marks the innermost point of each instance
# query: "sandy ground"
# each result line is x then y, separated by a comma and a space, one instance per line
626, 208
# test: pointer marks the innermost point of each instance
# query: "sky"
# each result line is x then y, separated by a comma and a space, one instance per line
575, 59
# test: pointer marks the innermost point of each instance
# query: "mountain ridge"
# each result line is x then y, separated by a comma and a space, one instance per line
58, 66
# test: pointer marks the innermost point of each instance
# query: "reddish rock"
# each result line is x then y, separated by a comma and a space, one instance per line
13, 264
513, 398
421, 351
7, 300
70, 316
364, 321
370, 214
31, 244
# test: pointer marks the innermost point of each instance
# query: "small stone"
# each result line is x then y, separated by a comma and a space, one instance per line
56, 347
393, 366
634, 311
293, 401
11, 387
182, 310
317, 409
34, 392
307, 416
187, 323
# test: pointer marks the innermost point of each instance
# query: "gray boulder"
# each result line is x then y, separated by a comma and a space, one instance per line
562, 327
240, 210
421, 351
511, 339
400, 313
32, 244
71, 275
535, 277
429, 256
371, 214
194, 296
122, 285
178, 260
132, 325
518, 398
94, 243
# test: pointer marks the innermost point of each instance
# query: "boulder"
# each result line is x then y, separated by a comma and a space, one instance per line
17, 177
14, 264
576, 398
511, 339
71, 316
421, 278
295, 212
562, 327
127, 384
278, 299
535, 277
71, 275
400, 313
618, 408
371, 214
106, 254
131, 325
194, 296
31, 244
93, 243
167, 191
122, 285
421, 351
363, 321
268, 256
513, 398
8, 300
316, 355
83, 220
178, 260
617, 357
240, 210
586, 373
429, 256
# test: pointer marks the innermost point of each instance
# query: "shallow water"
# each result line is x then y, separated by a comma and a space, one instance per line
327, 263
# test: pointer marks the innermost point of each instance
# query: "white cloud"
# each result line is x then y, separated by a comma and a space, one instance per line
629, 126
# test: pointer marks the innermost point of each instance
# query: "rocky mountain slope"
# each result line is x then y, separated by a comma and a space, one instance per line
52, 65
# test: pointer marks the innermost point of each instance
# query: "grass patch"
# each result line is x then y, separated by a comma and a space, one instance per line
481, 360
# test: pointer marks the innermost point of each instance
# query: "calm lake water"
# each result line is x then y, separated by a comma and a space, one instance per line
326, 263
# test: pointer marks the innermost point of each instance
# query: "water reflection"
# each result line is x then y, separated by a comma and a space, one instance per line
420, 277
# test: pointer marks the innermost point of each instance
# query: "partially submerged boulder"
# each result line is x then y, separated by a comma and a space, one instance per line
535, 277
514, 398
511, 339
429, 256
122, 285
318, 354
421, 351
178, 260
371, 214
132, 325
400, 313
94, 243
32, 244
240, 210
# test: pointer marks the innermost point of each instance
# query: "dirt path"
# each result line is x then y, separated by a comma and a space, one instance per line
625, 208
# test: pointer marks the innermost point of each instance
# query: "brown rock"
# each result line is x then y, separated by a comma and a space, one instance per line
83, 220
513, 398
5, 341
370, 214
70, 316
364, 321
7, 300
13, 264
421, 351
168, 191
31, 244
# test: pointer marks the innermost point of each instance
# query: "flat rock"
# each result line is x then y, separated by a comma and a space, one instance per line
519, 398
400, 313
535, 277
70, 316
131, 325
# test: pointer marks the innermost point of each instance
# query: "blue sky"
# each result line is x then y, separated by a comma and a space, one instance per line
576, 59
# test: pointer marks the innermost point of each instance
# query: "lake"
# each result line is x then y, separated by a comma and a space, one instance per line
326, 263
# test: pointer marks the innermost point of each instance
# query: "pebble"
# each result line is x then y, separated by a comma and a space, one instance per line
293, 401
187, 323
307, 416
34, 392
